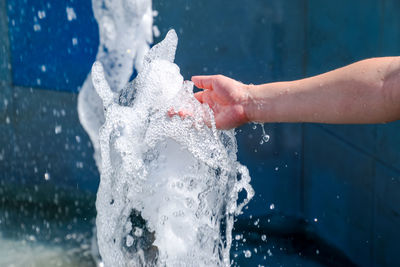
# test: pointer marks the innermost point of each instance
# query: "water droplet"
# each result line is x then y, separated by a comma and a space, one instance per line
46, 176
36, 27
58, 129
247, 253
269, 252
41, 14
70, 13
272, 206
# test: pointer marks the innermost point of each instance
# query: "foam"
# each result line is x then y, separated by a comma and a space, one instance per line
168, 185
125, 29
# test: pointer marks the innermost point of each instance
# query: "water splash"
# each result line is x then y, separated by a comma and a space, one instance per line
169, 186
125, 29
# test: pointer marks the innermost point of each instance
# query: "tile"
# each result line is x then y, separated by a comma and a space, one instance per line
388, 144
361, 136
5, 71
265, 44
274, 167
34, 37
390, 41
387, 217
341, 32
7, 154
338, 192
6, 104
51, 142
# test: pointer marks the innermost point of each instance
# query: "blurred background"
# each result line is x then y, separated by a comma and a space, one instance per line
336, 188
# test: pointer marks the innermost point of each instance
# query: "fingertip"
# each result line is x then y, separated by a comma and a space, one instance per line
203, 81
199, 96
197, 81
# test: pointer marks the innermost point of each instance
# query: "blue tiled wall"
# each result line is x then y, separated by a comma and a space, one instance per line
48, 49
351, 172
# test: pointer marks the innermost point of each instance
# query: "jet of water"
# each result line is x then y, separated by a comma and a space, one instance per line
125, 29
169, 186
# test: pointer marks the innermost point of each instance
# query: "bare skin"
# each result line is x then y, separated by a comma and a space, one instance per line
367, 91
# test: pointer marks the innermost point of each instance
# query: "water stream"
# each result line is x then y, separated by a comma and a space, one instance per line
169, 186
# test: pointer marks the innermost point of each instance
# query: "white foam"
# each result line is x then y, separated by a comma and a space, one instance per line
125, 29
167, 185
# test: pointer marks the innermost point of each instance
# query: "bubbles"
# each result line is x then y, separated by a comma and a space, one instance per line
129, 241
174, 181
123, 44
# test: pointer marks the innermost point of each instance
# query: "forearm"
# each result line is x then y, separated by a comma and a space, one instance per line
364, 92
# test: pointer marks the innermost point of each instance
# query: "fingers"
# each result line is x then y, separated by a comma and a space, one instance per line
183, 114
204, 82
199, 96
171, 112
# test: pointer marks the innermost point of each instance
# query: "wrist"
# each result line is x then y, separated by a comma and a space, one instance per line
268, 102
256, 103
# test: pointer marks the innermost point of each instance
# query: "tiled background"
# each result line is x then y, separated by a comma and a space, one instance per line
346, 176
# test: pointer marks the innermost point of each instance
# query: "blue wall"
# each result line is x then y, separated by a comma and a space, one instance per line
346, 176
352, 172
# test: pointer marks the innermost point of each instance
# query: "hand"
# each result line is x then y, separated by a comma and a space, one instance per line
226, 97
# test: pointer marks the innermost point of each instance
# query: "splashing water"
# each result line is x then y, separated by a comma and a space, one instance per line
125, 29
169, 186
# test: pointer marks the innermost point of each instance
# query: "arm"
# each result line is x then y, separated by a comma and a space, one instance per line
364, 92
